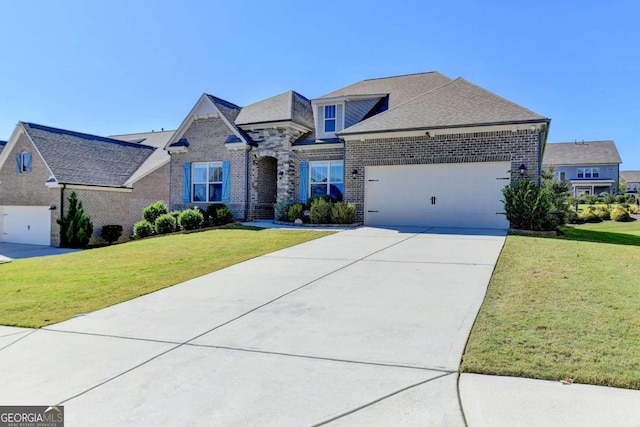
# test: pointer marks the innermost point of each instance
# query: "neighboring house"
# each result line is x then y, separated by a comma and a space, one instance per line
40, 166
418, 149
632, 178
591, 167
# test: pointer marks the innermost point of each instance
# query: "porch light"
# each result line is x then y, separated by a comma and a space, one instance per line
354, 173
522, 169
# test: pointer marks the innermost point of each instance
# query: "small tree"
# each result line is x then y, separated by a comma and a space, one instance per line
154, 210
76, 228
559, 193
622, 186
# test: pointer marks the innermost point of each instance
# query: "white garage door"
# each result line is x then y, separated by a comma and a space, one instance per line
440, 195
25, 224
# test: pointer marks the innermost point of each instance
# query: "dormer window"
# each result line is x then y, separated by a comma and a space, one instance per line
23, 162
329, 118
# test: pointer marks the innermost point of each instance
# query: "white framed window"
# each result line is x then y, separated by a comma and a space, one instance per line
329, 118
588, 172
23, 162
595, 172
207, 182
326, 178
580, 172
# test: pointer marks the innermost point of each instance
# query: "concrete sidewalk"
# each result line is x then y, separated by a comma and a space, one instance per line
363, 327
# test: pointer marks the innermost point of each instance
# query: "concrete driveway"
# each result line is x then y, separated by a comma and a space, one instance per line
11, 251
364, 327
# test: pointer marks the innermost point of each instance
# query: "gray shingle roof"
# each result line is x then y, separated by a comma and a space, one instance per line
288, 106
630, 176
229, 109
399, 88
454, 104
153, 139
79, 158
2, 144
581, 153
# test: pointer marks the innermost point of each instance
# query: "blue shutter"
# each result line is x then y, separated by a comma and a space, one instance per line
18, 163
26, 162
304, 181
226, 186
186, 183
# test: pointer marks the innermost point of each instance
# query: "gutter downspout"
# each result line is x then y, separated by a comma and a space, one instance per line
170, 177
61, 211
246, 183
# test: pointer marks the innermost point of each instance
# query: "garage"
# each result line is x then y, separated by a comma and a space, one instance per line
439, 195
25, 224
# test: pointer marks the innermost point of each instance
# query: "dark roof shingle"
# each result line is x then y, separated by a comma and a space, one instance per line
581, 153
84, 159
630, 176
288, 106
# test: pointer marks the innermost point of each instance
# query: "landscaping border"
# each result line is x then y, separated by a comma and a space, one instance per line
293, 224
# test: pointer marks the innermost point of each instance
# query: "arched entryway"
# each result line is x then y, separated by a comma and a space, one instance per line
266, 187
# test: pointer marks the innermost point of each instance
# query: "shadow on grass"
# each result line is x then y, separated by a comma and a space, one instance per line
573, 233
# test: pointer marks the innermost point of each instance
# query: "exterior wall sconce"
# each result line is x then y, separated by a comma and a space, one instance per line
354, 173
281, 173
52, 208
522, 169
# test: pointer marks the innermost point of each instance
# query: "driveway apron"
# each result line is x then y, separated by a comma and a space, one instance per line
363, 327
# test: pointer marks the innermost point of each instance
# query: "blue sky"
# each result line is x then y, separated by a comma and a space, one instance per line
132, 66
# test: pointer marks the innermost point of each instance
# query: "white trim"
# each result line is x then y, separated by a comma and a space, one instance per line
207, 183
14, 140
237, 146
129, 182
320, 133
439, 131
329, 182
344, 98
317, 146
92, 188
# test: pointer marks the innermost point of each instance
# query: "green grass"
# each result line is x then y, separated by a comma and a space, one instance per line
563, 307
39, 291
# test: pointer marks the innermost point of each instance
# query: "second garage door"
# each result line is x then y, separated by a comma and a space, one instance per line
25, 224
440, 195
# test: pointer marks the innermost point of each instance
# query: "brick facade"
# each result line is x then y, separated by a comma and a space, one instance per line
521, 147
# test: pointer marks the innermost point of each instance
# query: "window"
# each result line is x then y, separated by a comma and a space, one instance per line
207, 182
588, 172
563, 176
327, 178
329, 118
23, 162
580, 172
595, 172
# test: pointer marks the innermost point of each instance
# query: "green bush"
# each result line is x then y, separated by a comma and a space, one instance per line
325, 197
620, 214
76, 228
295, 212
625, 198
211, 214
528, 206
154, 210
191, 219
343, 213
603, 212
321, 211
589, 214
281, 210
142, 229
590, 199
176, 216
573, 217
165, 224
607, 198
111, 233
224, 215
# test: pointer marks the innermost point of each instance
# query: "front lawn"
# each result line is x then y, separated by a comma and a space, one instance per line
39, 291
566, 307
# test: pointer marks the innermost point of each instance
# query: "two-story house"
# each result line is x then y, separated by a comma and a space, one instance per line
416, 149
592, 167
632, 179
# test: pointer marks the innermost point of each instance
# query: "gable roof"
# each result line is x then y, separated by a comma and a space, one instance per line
2, 144
159, 157
84, 159
399, 88
289, 106
207, 105
457, 103
630, 176
581, 153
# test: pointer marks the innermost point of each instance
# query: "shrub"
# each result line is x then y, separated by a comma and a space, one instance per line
607, 198
320, 211
325, 197
343, 213
573, 217
211, 214
111, 233
281, 210
589, 214
603, 212
625, 198
224, 215
76, 228
191, 219
295, 211
154, 210
528, 206
176, 216
142, 229
590, 199
620, 214
165, 224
